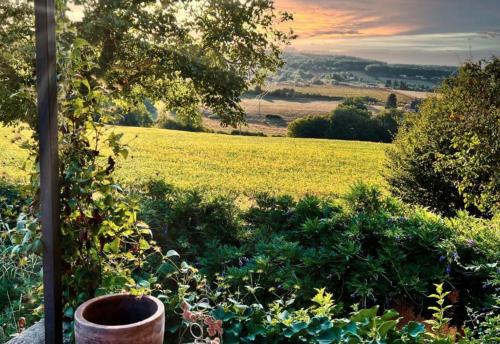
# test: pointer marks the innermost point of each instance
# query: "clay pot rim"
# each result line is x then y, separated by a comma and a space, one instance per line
84, 322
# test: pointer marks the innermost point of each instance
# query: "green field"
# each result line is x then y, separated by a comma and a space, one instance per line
233, 163
342, 91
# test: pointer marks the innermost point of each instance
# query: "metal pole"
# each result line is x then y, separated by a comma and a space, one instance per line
49, 167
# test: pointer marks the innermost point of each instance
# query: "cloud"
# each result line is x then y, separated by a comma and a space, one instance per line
442, 49
406, 31
388, 17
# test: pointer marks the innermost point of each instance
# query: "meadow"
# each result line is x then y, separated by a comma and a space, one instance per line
287, 109
233, 163
345, 91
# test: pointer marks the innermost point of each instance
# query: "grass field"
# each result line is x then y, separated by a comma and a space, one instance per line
290, 109
343, 91
234, 163
256, 111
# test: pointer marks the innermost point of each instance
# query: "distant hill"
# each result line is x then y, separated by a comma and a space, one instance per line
303, 69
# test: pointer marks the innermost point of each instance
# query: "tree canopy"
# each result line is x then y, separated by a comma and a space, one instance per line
447, 156
144, 48
392, 101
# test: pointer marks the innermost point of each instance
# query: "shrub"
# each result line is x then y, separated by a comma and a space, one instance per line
188, 220
412, 174
309, 127
349, 121
216, 314
166, 121
352, 123
369, 248
276, 120
19, 277
13, 200
387, 124
247, 133
446, 158
136, 119
354, 102
392, 101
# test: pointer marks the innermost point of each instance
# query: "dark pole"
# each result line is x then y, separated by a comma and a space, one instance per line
49, 166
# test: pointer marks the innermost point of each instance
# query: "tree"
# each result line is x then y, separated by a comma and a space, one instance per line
392, 102
388, 83
386, 124
351, 120
309, 127
122, 53
448, 155
351, 123
216, 48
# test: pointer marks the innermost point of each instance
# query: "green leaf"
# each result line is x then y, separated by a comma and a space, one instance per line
295, 328
318, 325
387, 326
85, 82
172, 253
414, 329
364, 314
144, 245
389, 314
331, 335
254, 331
68, 312
144, 284
114, 246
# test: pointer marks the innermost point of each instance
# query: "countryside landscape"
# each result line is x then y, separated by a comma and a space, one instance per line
275, 171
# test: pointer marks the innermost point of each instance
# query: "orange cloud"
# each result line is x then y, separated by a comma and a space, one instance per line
314, 21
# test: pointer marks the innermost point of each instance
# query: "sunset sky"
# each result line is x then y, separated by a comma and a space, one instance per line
404, 31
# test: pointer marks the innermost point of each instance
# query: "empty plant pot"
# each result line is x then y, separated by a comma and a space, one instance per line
120, 318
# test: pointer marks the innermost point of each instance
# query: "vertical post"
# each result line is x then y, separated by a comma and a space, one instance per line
49, 166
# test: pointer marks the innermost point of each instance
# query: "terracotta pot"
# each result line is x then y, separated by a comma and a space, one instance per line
120, 319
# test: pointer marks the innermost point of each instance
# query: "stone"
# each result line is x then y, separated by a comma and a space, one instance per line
32, 335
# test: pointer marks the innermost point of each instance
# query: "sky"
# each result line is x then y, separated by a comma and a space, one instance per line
444, 32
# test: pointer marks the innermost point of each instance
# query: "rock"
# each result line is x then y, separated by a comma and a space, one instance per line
33, 335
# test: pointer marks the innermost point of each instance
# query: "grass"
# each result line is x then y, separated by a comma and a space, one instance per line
290, 109
233, 163
343, 91
256, 111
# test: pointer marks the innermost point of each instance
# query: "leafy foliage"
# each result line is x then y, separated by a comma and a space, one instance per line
446, 156
370, 249
102, 241
392, 101
350, 121
214, 49
310, 127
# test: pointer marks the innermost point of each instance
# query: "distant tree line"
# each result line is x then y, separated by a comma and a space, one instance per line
410, 71
291, 93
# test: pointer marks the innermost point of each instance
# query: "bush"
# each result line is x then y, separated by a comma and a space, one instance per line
352, 123
19, 278
309, 127
355, 102
247, 133
168, 122
446, 157
392, 101
136, 119
13, 200
276, 120
368, 248
349, 121
387, 124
